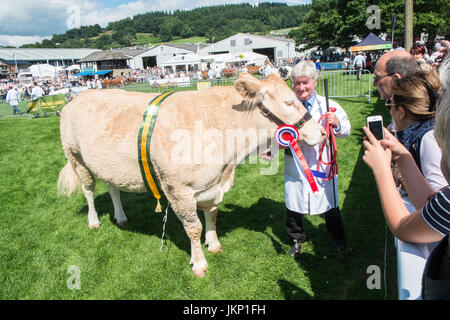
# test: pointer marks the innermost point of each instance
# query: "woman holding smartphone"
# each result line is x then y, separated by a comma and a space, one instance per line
431, 221
412, 107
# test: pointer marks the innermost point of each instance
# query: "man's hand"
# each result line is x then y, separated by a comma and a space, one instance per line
332, 119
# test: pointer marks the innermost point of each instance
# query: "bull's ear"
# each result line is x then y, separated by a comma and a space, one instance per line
247, 85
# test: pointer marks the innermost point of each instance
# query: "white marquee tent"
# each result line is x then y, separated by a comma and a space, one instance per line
224, 60
44, 71
184, 61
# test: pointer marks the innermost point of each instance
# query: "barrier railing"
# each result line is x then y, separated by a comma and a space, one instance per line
341, 84
345, 84
6, 110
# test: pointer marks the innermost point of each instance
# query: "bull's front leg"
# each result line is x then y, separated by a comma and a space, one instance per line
193, 228
211, 239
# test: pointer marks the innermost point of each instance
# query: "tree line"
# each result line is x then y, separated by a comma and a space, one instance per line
335, 23
214, 23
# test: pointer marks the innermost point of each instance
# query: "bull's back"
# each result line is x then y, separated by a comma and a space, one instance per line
100, 128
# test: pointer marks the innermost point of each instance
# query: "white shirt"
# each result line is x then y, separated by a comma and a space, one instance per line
12, 97
298, 194
430, 161
37, 92
359, 61
267, 70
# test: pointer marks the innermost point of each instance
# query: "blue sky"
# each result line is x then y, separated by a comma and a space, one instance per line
28, 21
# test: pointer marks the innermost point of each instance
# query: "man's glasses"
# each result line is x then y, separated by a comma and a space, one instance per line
378, 78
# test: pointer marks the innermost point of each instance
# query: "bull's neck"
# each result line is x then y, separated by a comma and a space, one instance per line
252, 133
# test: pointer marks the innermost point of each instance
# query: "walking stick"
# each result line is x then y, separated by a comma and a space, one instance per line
325, 84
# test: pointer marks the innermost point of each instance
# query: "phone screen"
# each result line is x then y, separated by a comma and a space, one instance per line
376, 127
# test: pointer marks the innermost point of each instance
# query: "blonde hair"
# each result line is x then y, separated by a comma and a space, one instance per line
417, 93
442, 125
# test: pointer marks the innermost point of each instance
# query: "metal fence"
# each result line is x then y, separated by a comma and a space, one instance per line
341, 84
345, 84
191, 85
7, 111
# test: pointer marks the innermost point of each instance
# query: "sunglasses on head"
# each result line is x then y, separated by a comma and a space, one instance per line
389, 104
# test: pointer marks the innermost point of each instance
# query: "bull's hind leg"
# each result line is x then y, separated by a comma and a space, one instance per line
211, 239
193, 228
119, 214
88, 187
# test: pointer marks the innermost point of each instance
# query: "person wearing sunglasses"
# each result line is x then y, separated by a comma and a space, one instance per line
392, 65
413, 107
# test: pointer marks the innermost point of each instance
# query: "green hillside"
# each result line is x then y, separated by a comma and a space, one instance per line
205, 24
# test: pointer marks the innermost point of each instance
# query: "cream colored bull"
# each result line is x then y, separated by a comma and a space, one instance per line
99, 133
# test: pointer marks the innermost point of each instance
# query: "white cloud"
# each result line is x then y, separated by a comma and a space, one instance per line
23, 20
17, 41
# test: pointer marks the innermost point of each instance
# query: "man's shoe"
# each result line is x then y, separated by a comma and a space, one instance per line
295, 249
338, 246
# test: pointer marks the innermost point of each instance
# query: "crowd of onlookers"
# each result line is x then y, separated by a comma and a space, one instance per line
350, 60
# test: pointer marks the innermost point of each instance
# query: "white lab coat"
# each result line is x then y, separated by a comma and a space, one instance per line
13, 97
298, 194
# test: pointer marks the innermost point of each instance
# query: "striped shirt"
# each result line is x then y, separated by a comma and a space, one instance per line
437, 211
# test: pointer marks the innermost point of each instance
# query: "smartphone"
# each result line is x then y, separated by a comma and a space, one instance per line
375, 125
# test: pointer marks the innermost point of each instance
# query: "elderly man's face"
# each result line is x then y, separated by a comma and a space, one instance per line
304, 87
383, 80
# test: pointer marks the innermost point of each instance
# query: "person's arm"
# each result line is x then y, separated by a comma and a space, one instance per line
407, 227
430, 160
417, 187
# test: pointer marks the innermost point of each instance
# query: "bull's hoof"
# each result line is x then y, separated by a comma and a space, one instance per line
94, 226
121, 223
214, 248
199, 273
200, 269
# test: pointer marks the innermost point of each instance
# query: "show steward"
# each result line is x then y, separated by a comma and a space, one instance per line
299, 197
100, 132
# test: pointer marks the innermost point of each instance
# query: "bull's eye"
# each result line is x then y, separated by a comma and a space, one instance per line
290, 103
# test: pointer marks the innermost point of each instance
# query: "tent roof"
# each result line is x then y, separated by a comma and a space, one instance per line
101, 72
371, 42
114, 54
247, 56
182, 59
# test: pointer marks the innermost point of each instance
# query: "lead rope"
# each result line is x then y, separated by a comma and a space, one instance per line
333, 161
164, 227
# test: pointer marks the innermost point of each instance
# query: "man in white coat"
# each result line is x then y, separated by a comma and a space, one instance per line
299, 197
13, 98
37, 92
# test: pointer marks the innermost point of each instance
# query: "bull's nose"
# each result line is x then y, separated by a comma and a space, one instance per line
323, 132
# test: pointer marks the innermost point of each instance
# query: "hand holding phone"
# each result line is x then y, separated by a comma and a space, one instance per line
375, 125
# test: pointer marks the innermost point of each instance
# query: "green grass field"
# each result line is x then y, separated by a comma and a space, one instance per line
43, 234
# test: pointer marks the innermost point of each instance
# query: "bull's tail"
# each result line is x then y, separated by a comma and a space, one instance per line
68, 180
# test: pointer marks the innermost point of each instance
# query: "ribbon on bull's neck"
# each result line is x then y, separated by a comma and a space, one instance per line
287, 137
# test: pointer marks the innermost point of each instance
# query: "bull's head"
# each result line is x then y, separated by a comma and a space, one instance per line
275, 95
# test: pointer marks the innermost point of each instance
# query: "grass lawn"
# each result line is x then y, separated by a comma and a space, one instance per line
43, 234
